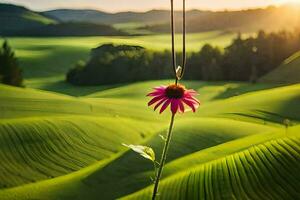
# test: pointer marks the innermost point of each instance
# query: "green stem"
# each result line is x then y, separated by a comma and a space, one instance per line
163, 158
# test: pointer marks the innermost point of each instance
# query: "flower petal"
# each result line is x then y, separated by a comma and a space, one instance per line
181, 106
191, 92
193, 101
160, 102
165, 105
191, 104
160, 99
159, 88
156, 93
191, 97
187, 94
154, 100
174, 106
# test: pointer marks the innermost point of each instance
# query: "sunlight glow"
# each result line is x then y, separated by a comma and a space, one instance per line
280, 2
143, 5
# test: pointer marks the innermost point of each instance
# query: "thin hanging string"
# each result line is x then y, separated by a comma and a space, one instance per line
178, 77
174, 63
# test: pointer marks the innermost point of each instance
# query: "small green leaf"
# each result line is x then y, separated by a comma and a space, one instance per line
162, 137
146, 152
152, 179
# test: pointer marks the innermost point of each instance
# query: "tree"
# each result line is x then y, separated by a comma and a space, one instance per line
238, 59
10, 73
111, 64
210, 59
243, 60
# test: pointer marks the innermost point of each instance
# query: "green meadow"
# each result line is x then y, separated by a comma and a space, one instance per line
41, 56
287, 72
44, 68
57, 146
59, 141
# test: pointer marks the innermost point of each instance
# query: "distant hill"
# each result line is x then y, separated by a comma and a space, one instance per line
269, 19
16, 18
288, 72
94, 16
70, 29
198, 21
20, 21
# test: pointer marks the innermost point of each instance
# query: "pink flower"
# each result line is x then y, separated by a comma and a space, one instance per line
175, 95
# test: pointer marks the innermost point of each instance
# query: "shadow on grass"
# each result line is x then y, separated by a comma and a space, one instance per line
245, 88
66, 88
270, 117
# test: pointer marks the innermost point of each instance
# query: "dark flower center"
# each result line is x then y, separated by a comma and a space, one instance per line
175, 91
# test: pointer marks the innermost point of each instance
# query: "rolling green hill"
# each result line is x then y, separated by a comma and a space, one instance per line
266, 171
48, 147
56, 146
59, 141
100, 17
197, 20
42, 57
251, 20
71, 29
14, 19
20, 21
288, 72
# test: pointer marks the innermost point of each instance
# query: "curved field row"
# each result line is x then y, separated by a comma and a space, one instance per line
269, 106
22, 103
7, 91
91, 183
266, 171
71, 147
128, 172
272, 105
208, 91
190, 136
38, 149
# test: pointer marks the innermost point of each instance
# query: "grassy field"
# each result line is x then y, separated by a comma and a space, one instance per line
133, 28
287, 72
44, 68
55, 146
59, 141
41, 57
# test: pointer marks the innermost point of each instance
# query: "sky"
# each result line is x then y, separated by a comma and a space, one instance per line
143, 5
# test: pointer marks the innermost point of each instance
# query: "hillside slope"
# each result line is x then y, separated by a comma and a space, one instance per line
197, 20
101, 17
251, 20
44, 148
20, 21
50, 134
71, 29
287, 73
14, 19
258, 167
265, 171
57, 146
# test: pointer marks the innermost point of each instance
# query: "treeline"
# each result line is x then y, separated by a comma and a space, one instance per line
111, 64
243, 60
